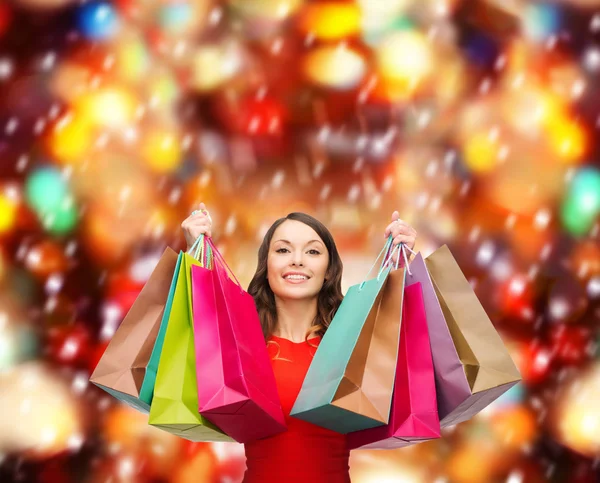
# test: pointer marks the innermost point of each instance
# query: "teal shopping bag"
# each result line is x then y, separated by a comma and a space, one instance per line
349, 384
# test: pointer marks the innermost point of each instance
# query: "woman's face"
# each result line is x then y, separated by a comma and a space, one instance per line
297, 261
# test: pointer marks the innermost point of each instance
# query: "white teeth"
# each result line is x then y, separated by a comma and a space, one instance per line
296, 277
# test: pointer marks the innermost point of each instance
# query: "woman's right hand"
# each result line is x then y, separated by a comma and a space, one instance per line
195, 225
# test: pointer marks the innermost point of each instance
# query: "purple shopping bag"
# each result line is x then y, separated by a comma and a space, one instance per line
451, 382
456, 316
414, 415
236, 385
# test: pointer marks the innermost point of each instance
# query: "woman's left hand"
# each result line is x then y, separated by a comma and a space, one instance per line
401, 232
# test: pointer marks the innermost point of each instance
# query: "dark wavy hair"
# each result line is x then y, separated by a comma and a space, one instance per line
329, 298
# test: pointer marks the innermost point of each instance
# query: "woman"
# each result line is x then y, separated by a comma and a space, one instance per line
297, 290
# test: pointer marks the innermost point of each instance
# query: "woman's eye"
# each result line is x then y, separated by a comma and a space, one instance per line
316, 252
279, 250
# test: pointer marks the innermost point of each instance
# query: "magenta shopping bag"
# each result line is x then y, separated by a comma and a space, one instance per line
414, 416
236, 385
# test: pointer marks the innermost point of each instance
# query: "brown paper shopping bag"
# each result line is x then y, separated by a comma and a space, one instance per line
122, 368
488, 367
372, 365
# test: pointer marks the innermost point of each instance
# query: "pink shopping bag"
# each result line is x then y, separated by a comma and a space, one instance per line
236, 385
414, 416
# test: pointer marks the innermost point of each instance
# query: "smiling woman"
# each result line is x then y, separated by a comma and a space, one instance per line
297, 289
298, 282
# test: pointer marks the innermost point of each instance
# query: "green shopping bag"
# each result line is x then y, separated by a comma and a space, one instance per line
349, 384
174, 406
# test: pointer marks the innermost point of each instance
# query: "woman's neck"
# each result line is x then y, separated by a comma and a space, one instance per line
294, 318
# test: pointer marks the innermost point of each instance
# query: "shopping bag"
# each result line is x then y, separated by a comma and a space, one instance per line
147, 389
414, 416
485, 362
174, 406
123, 368
451, 381
349, 384
236, 385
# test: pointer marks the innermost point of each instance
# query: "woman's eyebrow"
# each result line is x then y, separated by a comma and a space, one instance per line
308, 243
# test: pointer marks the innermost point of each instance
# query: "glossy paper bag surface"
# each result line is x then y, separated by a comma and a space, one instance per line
236, 384
174, 407
349, 384
414, 415
487, 365
451, 381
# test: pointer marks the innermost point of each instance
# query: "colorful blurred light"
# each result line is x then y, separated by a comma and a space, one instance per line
330, 20
404, 72
132, 57
175, 16
380, 17
541, 20
44, 407
472, 462
8, 212
213, 64
18, 340
47, 192
201, 467
46, 258
109, 237
517, 297
129, 431
571, 345
516, 427
585, 259
481, 152
336, 67
70, 345
481, 48
531, 107
535, 362
405, 57
46, 188
581, 205
577, 419
97, 20
161, 150
8, 347
163, 90
62, 220
113, 107
180, 18
567, 138
70, 139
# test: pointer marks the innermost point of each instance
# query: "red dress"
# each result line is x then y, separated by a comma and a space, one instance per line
305, 452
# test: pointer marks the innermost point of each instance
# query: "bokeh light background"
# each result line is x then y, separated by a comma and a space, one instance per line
477, 120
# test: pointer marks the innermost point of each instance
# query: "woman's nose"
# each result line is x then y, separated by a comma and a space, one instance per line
297, 259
